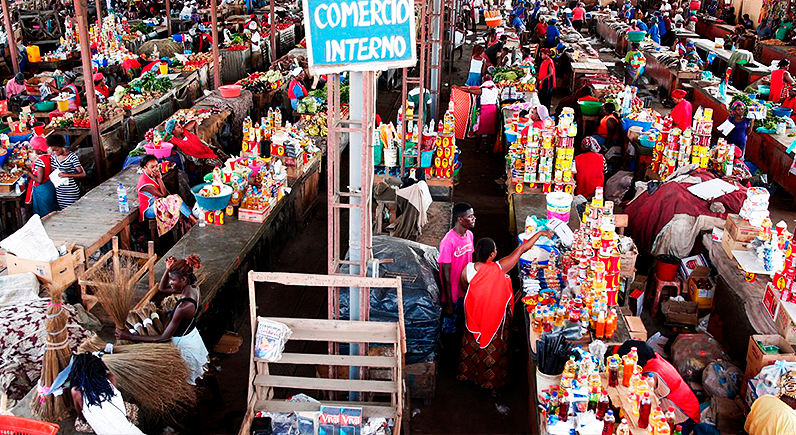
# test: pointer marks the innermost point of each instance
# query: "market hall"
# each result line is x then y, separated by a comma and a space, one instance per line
539, 217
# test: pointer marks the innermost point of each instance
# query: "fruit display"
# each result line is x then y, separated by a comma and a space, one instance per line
315, 125
8, 178
197, 60
131, 101
80, 118
261, 82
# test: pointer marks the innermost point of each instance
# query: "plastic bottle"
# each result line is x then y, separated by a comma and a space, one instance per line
613, 371
552, 408
670, 419
121, 195
601, 325
644, 409
611, 328
630, 361
602, 405
563, 407
594, 397
651, 381
608, 423
678, 430
624, 428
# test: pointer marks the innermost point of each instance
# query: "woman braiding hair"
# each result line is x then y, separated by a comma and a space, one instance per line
180, 278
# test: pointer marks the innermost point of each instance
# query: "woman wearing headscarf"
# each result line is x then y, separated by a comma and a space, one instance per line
187, 142
41, 191
670, 387
155, 201
488, 306
96, 397
775, 415
655, 31
547, 78
180, 279
70, 87
295, 89
551, 34
539, 114
100, 87
682, 114
743, 126
589, 168
16, 86
488, 118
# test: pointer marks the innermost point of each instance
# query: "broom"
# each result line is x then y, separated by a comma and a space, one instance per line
115, 290
153, 375
56, 358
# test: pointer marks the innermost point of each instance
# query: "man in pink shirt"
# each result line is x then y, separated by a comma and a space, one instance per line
455, 251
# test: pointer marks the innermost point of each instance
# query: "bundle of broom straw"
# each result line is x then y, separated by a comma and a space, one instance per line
153, 375
56, 357
115, 289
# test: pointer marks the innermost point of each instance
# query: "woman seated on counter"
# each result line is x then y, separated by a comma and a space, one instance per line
154, 199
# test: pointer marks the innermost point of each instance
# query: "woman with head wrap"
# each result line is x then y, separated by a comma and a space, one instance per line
16, 86
655, 30
589, 168
70, 87
41, 191
186, 141
180, 279
100, 87
295, 89
487, 120
154, 199
669, 385
743, 126
774, 415
682, 114
539, 114
551, 34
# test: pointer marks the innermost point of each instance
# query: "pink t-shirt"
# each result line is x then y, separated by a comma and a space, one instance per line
578, 14
458, 251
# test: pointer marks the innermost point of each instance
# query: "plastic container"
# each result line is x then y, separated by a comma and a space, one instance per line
666, 267
782, 112
162, 152
3, 156
20, 137
11, 425
230, 91
511, 136
544, 382
627, 123
559, 205
34, 54
212, 203
63, 105
38, 128
494, 22
590, 108
646, 142
378, 154
426, 159
121, 196
636, 36
45, 106
763, 90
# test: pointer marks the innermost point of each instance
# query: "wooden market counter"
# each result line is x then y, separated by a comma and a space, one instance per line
229, 251
743, 75
613, 35
770, 53
710, 28
579, 67
669, 78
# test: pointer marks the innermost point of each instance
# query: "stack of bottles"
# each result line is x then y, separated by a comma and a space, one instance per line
755, 207
785, 280
774, 247
724, 158
675, 148
257, 135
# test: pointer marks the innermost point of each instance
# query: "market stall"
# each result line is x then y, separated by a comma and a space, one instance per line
612, 31
711, 28
772, 51
665, 68
743, 74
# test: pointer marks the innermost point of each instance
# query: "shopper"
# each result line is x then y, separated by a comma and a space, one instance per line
547, 78
478, 64
488, 118
155, 201
95, 396
551, 34
764, 30
69, 169
780, 77
589, 168
747, 22
743, 126
455, 252
487, 311
180, 278
682, 114
775, 415
785, 26
41, 191
296, 89
493, 50
578, 16
655, 31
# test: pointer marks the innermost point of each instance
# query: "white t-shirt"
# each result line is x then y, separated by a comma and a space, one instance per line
470, 271
476, 65
489, 95
110, 417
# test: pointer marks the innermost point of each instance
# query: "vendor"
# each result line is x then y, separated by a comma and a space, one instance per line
541, 30
669, 385
764, 31
780, 77
641, 26
655, 30
295, 89
790, 102
488, 307
16, 86
96, 397
539, 114
635, 64
682, 114
180, 279
41, 191
679, 46
774, 415
692, 55
478, 65
734, 41
186, 141
155, 201
610, 129
785, 26
551, 34
100, 87
589, 168
70, 87
487, 122
743, 126
746, 21
517, 23
494, 50
546, 81
69, 169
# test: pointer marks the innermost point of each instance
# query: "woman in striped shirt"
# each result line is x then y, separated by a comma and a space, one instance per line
70, 169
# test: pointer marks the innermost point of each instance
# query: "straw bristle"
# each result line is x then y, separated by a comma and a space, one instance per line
56, 357
114, 290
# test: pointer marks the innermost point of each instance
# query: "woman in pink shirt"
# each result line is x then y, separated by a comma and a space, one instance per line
578, 15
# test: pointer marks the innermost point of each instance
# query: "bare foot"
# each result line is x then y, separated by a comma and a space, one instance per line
193, 219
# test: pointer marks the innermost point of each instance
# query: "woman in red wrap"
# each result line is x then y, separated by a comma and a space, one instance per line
487, 314
682, 114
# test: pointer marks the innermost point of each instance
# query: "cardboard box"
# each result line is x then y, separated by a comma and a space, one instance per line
771, 297
636, 301
635, 328
786, 326
739, 229
59, 273
729, 244
256, 216
756, 358
702, 296
685, 312
688, 264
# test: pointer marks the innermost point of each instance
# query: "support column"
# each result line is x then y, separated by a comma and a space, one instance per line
88, 77
272, 36
98, 4
214, 34
168, 16
12, 39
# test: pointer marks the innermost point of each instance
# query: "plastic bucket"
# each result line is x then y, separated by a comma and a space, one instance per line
511, 136
34, 54
38, 128
666, 267
63, 105
426, 159
559, 205
391, 157
164, 68
544, 382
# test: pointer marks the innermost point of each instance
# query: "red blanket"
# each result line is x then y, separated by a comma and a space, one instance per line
193, 146
485, 302
648, 214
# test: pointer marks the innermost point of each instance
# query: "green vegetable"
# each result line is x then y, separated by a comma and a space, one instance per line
151, 82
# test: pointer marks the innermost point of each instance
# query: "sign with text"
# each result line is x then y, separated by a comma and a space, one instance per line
363, 35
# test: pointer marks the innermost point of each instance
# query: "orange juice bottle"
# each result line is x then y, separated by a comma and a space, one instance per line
627, 369
601, 325
611, 328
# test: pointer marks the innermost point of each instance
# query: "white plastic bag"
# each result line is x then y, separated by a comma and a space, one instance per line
270, 339
31, 242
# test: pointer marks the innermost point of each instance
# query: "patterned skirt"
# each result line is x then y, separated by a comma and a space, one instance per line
487, 367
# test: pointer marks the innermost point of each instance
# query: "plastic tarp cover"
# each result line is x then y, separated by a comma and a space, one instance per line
417, 266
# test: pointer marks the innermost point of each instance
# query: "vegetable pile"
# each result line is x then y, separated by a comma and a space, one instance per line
506, 76
151, 82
